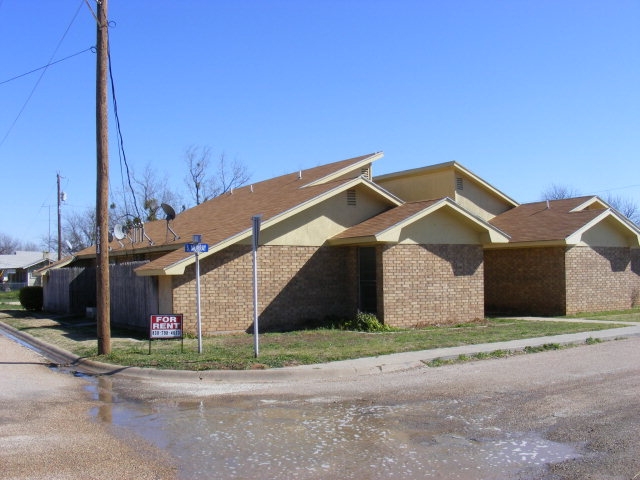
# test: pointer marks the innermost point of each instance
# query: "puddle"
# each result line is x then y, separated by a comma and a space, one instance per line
323, 437
298, 439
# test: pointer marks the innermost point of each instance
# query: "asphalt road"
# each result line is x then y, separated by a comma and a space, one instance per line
584, 399
47, 432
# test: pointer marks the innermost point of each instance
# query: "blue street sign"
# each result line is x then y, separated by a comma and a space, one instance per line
196, 247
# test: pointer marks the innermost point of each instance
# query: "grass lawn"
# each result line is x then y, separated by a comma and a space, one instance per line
613, 316
8, 299
78, 335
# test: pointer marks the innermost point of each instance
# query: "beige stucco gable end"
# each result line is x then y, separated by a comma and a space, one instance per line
606, 230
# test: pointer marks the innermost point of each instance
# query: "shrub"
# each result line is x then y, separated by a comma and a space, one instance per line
366, 322
31, 298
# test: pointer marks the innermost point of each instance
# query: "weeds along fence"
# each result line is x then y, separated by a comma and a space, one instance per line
133, 298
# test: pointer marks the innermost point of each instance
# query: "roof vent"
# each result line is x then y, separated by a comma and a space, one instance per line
351, 197
366, 173
459, 183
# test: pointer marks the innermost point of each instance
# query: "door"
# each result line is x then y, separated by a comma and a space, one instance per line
367, 280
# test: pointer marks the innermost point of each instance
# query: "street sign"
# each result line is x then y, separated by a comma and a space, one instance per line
196, 247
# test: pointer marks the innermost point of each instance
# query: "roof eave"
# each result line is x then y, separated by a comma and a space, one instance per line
363, 240
634, 235
343, 171
450, 165
588, 203
494, 234
527, 244
62, 263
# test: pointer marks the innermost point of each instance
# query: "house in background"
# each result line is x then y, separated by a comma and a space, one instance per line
413, 247
17, 269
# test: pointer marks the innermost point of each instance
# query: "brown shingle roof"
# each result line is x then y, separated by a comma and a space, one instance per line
380, 227
228, 215
535, 222
385, 220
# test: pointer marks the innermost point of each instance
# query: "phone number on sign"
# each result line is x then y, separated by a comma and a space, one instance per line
166, 333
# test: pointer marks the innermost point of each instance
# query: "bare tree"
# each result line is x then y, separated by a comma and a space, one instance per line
31, 247
79, 230
558, 192
197, 160
625, 206
204, 184
8, 244
229, 175
150, 190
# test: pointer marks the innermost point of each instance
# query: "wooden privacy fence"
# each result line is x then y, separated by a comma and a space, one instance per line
133, 298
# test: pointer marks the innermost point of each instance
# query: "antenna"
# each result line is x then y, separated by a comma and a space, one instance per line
144, 234
171, 215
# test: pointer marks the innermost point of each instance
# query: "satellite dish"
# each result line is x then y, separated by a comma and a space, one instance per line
171, 215
118, 232
169, 211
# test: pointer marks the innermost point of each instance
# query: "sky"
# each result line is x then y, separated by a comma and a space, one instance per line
524, 93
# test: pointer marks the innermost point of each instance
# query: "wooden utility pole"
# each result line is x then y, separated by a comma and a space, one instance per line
103, 297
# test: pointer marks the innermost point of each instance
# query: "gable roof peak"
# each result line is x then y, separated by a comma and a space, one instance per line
333, 171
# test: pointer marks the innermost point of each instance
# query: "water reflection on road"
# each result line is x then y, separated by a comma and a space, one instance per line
326, 437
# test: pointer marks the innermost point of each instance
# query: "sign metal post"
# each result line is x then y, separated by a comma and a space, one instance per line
196, 247
256, 233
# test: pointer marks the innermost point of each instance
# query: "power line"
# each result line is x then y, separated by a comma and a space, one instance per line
92, 48
24, 106
121, 152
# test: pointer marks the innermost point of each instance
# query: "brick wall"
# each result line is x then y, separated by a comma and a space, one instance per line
602, 278
295, 284
525, 281
559, 281
432, 284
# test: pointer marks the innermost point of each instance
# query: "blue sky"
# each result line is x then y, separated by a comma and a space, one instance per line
523, 93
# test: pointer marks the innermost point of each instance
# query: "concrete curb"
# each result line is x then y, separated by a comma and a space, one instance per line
396, 362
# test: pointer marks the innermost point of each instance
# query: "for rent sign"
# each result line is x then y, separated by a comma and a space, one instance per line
166, 326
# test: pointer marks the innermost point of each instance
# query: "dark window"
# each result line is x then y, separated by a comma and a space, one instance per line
368, 277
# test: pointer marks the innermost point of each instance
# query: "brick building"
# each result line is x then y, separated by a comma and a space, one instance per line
425, 246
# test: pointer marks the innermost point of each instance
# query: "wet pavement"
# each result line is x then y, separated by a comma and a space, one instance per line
329, 438
562, 414
497, 419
